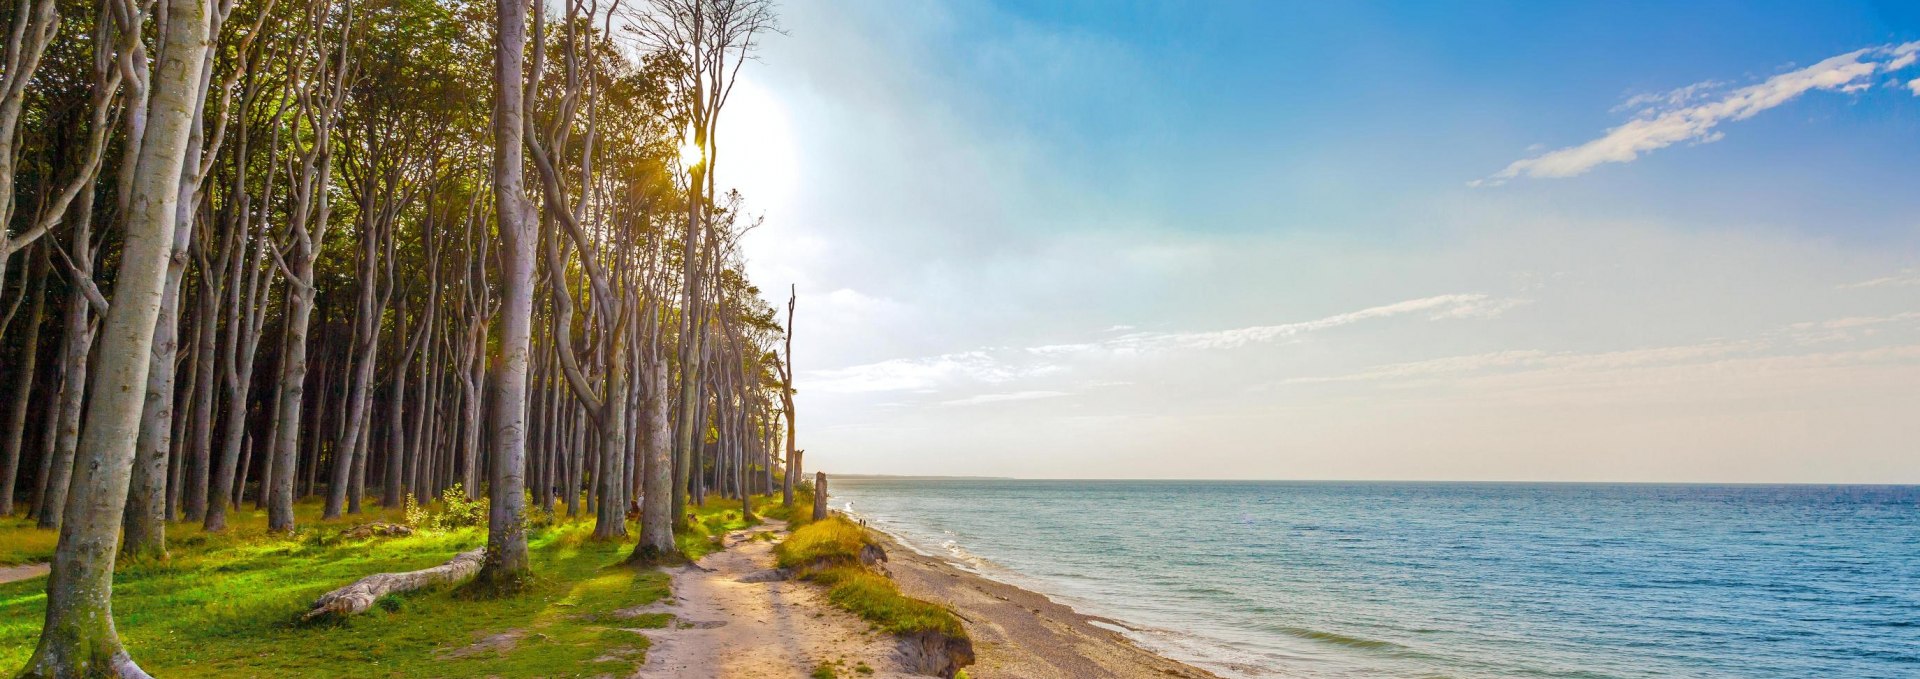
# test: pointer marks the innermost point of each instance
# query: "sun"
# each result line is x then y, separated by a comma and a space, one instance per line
691, 155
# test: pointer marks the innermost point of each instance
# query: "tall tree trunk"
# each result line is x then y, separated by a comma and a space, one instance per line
506, 560
25, 368
78, 638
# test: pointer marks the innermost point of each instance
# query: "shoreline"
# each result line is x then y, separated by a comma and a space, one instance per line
1022, 634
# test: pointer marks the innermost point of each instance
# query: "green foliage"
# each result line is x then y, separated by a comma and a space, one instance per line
823, 671
454, 511
225, 605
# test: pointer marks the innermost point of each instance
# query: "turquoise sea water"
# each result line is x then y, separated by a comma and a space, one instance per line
1331, 579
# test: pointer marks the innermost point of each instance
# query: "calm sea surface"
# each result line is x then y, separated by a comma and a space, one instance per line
1451, 579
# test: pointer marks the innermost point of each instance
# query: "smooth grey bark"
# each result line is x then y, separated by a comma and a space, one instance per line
78, 638
506, 559
320, 108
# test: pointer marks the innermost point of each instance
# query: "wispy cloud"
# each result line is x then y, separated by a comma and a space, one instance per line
1438, 307
1904, 278
999, 365
1679, 116
999, 398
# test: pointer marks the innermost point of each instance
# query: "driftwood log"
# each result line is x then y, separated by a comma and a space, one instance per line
359, 596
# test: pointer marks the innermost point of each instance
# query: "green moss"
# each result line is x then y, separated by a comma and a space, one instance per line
226, 605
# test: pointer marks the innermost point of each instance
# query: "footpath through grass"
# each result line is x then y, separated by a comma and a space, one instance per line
227, 605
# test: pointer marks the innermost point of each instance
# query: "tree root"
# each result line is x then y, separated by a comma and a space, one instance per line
359, 596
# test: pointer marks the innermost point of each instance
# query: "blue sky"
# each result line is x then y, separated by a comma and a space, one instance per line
1343, 240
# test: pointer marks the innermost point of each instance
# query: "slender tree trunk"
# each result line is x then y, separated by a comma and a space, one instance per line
78, 638
25, 367
506, 560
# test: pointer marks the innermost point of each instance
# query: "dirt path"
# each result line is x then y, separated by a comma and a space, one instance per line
726, 628
18, 573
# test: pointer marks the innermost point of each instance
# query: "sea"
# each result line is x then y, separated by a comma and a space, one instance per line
1428, 580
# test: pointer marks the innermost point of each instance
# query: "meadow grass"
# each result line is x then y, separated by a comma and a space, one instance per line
800, 514
828, 552
709, 523
228, 604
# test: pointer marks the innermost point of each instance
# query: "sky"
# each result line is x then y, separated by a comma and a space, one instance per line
1288, 240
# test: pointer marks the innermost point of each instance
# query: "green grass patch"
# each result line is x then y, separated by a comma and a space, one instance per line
227, 605
800, 514
828, 552
834, 540
22, 543
707, 523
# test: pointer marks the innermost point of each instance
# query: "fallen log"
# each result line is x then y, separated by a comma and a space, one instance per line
359, 596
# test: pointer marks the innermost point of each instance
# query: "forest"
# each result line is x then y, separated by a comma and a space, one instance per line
362, 254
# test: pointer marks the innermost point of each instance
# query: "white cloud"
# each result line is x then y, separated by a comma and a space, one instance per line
1914, 85
998, 398
1673, 118
1904, 278
997, 365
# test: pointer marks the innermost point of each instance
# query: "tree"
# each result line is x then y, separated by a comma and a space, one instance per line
506, 560
78, 638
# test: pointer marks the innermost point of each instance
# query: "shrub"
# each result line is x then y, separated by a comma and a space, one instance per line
456, 511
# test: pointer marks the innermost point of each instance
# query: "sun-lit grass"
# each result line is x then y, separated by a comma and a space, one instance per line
710, 522
834, 541
800, 514
828, 552
21, 543
227, 605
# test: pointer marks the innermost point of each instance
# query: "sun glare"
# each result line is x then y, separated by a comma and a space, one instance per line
690, 152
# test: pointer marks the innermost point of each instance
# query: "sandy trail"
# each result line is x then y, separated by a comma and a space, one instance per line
727, 628
18, 573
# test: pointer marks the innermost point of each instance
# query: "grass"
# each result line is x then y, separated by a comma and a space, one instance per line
834, 541
21, 543
800, 514
227, 605
711, 520
828, 552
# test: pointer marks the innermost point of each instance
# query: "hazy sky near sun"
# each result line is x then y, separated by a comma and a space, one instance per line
1543, 241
